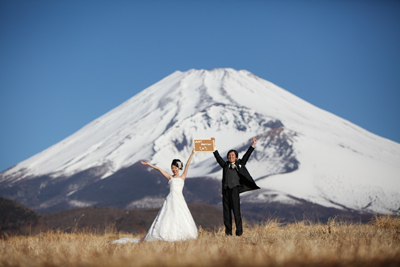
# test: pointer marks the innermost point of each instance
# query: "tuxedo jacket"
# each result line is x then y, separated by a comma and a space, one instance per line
246, 181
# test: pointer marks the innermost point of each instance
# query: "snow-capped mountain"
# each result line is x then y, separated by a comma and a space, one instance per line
303, 152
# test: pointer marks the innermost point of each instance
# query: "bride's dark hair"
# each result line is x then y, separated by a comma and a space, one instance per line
177, 163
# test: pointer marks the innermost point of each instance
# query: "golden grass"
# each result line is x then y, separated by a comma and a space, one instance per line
269, 244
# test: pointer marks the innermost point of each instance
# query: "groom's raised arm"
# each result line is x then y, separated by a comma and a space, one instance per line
249, 151
219, 159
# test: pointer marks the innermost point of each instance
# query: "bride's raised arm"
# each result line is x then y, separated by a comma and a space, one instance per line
187, 166
166, 175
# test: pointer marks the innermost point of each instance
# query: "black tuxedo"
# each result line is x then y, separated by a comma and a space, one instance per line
230, 195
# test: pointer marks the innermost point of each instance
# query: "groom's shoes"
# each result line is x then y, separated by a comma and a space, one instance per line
230, 233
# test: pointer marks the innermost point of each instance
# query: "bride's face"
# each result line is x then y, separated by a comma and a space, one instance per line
175, 170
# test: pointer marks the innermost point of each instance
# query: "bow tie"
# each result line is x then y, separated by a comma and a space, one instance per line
233, 166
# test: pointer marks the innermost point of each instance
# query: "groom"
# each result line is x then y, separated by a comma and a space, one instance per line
235, 180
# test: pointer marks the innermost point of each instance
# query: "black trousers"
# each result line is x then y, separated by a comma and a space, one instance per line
231, 202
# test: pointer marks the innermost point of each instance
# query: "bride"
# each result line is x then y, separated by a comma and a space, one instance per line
174, 221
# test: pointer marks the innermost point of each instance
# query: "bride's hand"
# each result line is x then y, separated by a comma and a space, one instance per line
144, 162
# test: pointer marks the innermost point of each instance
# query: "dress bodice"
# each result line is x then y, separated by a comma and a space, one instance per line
176, 185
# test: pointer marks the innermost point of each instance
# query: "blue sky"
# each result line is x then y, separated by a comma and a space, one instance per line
65, 63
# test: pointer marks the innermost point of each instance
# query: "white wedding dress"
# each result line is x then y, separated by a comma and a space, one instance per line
174, 221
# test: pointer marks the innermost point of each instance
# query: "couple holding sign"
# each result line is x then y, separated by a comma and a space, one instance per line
174, 221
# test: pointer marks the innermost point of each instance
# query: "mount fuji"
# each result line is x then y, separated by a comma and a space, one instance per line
304, 154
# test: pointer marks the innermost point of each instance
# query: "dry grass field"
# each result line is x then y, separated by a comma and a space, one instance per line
270, 244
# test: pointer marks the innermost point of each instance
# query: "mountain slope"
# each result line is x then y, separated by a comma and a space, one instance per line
303, 152
18, 219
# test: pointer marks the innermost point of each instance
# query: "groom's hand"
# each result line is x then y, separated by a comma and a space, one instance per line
254, 142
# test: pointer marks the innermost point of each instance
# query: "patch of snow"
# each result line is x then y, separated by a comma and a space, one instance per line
147, 202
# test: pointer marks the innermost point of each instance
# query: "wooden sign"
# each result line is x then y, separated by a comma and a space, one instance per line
203, 145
